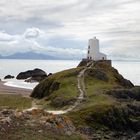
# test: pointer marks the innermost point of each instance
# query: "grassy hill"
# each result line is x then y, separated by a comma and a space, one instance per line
111, 103
98, 102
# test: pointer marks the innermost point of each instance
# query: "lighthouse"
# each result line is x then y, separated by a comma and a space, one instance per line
93, 52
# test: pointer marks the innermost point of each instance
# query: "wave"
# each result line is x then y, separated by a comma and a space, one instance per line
20, 84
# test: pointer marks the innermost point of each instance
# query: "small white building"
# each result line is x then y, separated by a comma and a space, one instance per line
93, 50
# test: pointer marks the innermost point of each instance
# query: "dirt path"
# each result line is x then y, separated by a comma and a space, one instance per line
81, 91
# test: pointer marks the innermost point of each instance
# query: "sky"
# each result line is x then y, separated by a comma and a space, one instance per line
63, 27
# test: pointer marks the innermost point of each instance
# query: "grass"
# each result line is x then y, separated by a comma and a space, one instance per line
36, 132
96, 101
67, 91
15, 101
67, 88
94, 90
33, 135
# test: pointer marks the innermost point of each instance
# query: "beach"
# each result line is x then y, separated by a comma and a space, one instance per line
13, 90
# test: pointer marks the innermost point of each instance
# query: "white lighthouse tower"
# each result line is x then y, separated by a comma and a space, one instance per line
94, 52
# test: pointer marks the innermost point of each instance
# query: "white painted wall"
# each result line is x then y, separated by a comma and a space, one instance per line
93, 50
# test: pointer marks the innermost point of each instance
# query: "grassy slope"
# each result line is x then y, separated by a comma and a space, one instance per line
100, 110
14, 101
96, 103
67, 88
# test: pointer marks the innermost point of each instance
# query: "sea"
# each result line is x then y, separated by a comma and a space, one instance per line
129, 69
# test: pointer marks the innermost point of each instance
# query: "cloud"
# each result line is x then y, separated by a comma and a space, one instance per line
29, 42
4, 37
32, 33
67, 25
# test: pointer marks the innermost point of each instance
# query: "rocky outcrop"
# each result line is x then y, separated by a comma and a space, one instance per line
121, 80
49, 74
36, 75
137, 136
39, 119
9, 77
45, 89
133, 93
83, 63
114, 118
98, 74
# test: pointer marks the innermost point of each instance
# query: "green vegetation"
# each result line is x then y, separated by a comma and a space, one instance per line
106, 107
96, 103
59, 90
98, 108
14, 101
31, 134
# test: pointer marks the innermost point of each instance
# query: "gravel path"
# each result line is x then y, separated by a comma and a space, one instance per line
81, 91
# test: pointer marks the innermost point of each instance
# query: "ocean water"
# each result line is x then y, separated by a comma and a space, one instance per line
129, 69
14, 67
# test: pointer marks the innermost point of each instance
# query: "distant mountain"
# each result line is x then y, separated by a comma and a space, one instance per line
28, 55
39, 56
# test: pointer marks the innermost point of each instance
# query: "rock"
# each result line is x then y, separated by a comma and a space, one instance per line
98, 74
35, 118
60, 101
137, 137
6, 112
87, 130
133, 93
6, 120
36, 75
41, 92
114, 118
83, 63
122, 81
9, 77
135, 123
30, 80
49, 74
18, 113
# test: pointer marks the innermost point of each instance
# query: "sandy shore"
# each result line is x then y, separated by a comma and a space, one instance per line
13, 90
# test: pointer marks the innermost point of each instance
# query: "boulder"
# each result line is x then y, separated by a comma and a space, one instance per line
36, 74
9, 77
49, 74
98, 74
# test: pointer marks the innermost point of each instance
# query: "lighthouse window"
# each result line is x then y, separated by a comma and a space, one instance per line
88, 47
88, 51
